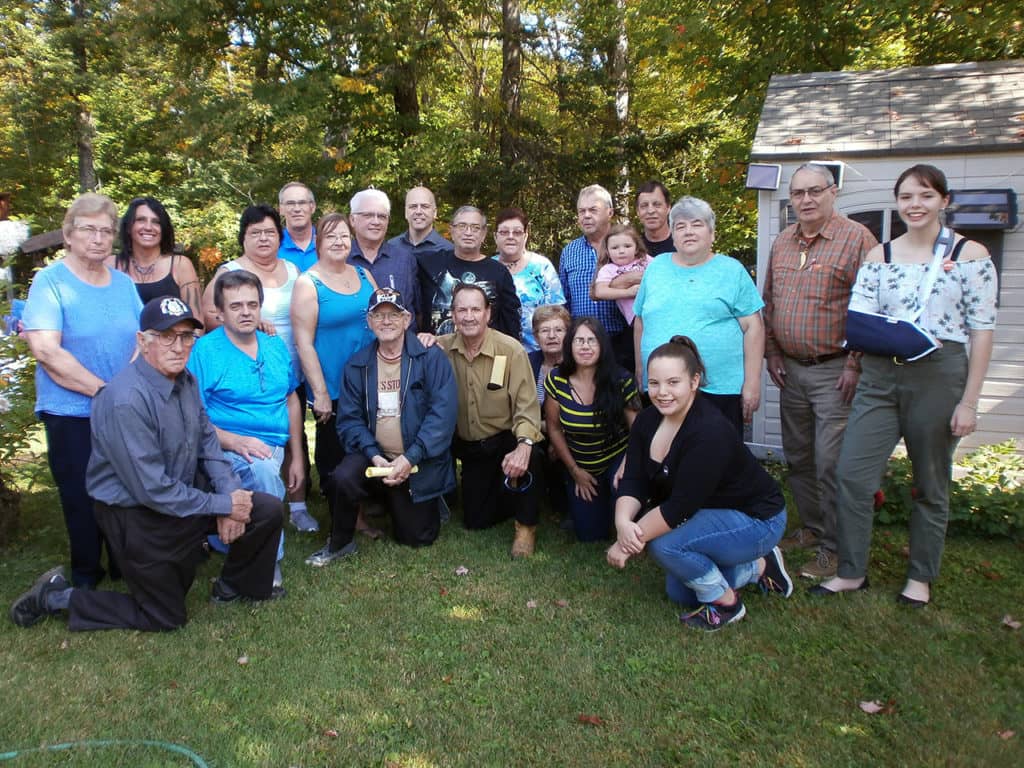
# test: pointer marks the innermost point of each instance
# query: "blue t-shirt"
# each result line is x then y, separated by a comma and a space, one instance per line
241, 395
97, 325
704, 303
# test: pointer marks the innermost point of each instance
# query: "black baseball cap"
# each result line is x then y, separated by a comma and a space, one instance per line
161, 313
386, 296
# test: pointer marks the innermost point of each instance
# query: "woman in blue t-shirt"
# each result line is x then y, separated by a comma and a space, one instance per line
590, 405
80, 321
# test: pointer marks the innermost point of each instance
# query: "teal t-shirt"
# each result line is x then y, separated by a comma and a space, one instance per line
705, 303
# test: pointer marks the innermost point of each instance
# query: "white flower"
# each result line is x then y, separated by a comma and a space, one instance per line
12, 235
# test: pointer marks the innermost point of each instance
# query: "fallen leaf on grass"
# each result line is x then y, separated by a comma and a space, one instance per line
447, 679
64, 645
1011, 623
992, 575
876, 707
562, 603
442, 591
594, 720
173, 684
1006, 735
461, 570
243, 660
331, 733
531, 603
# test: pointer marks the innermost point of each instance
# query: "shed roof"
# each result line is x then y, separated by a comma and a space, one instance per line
948, 108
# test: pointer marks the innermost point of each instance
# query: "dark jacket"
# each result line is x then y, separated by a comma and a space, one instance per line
428, 403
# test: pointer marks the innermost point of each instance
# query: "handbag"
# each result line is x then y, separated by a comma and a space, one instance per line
874, 333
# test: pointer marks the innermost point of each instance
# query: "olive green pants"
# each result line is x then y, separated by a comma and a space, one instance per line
914, 401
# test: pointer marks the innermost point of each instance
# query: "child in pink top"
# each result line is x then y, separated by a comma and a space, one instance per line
622, 252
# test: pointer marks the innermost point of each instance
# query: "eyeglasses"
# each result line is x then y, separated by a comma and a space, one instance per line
167, 338
337, 237
259, 234
105, 233
510, 232
372, 215
812, 192
295, 203
386, 317
465, 226
579, 341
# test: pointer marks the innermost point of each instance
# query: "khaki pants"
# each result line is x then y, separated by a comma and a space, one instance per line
814, 418
914, 401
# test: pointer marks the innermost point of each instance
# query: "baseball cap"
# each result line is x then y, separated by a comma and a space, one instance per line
161, 313
386, 296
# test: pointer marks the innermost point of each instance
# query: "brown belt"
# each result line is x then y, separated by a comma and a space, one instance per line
819, 359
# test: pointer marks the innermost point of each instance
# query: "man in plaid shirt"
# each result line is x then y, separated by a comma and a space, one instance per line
811, 273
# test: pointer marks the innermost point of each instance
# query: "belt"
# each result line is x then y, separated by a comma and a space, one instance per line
819, 359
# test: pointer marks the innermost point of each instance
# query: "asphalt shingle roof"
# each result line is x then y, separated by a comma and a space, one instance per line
940, 109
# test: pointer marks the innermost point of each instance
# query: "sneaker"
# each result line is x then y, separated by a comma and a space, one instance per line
30, 608
823, 566
711, 617
278, 576
775, 578
303, 521
324, 555
801, 538
222, 594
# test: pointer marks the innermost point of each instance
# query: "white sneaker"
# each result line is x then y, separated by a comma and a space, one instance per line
324, 555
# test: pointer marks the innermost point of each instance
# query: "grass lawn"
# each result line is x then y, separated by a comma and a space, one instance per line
391, 659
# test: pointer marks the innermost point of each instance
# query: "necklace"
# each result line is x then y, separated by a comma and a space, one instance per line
143, 271
387, 359
512, 264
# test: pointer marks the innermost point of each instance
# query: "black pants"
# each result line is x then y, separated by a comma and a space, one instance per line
415, 524
485, 499
328, 452
159, 555
68, 445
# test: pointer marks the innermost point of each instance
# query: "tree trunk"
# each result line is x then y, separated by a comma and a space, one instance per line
85, 129
620, 79
511, 80
406, 97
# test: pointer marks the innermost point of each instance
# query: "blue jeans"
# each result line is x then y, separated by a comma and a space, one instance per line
262, 475
594, 520
713, 551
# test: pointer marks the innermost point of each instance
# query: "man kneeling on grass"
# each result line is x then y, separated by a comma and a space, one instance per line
151, 444
396, 414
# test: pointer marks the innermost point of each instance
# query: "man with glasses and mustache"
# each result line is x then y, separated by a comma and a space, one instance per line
391, 267
811, 273
468, 264
154, 454
396, 415
297, 206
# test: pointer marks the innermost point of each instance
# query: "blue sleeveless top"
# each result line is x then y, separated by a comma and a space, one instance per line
341, 328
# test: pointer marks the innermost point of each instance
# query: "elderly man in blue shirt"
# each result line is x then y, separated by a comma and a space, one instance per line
154, 454
297, 205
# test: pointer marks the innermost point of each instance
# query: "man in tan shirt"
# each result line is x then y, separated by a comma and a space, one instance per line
498, 420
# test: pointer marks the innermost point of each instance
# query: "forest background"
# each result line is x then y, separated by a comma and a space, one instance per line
210, 105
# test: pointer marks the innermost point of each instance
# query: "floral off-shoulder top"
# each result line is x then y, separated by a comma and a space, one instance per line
962, 299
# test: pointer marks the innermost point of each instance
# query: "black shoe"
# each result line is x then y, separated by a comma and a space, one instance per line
30, 608
775, 578
222, 594
820, 590
711, 617
910, 602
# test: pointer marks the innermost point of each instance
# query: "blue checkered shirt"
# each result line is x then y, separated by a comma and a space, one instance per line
576, 271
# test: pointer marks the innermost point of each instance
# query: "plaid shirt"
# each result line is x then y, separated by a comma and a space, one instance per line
576, 271
806, 298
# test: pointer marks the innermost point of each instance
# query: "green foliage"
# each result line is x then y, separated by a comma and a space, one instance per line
987, 499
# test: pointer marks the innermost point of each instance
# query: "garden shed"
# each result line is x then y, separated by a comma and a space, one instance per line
967, 119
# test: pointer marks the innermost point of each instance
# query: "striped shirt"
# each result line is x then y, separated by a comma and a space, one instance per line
592, 445
576, 269
805, 303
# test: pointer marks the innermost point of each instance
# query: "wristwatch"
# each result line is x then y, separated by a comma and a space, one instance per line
525, 441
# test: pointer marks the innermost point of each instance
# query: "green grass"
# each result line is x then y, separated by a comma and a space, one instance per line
390, 659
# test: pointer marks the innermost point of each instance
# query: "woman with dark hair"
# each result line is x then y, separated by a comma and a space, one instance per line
692, 491
590, 405
329, 315
147, 255
931, 402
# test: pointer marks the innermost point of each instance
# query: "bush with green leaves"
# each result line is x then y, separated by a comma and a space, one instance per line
17, 425
987, 497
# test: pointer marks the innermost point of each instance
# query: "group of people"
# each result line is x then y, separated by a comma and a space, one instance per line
174, 416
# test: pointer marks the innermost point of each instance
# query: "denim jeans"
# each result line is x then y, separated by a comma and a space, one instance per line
714, 550
263, 475
594, 520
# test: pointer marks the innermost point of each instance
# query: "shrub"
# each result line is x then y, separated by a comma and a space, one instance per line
987, 499
17, 424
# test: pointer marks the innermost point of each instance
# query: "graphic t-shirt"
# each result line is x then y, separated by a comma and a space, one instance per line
389, 407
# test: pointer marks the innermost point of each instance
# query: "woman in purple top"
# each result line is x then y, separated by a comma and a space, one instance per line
80, 321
